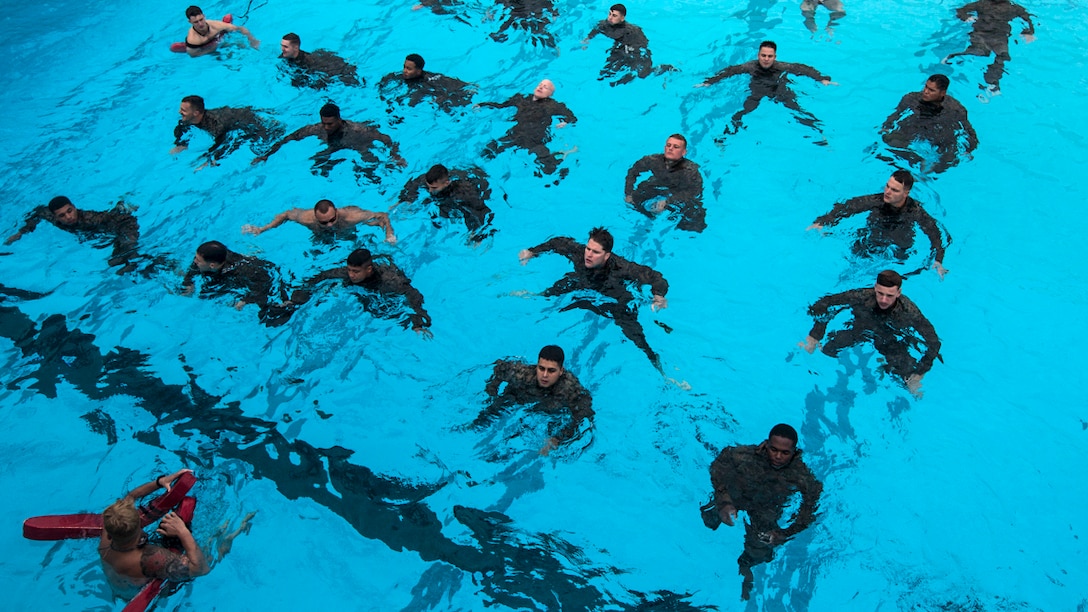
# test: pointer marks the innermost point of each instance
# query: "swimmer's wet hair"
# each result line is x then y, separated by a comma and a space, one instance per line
196, 102
940, 80
438, 172
193, 11
416, 59
768, 43
293, 38
889, 278
904, 177
360, 257
602, 237
323, 206
330, 110
783, 430
552, 353
58, 203
619, 8
212, 251
121, 520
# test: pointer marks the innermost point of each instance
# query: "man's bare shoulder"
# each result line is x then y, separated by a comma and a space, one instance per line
301, 215
355, 213
158, 562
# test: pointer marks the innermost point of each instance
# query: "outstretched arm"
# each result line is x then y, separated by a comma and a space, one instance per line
298, 134
278, 220
510, 102
31, 223
725, 73
561, 244
842, 210
805, 70
165, 481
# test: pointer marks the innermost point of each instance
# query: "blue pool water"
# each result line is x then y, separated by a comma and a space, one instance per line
345, 432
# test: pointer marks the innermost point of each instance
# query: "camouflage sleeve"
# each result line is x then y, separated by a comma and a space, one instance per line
842, 210
394, 281
810, 499
504, 371
180, 130
725, 73
826, 308
804, 70
560, 245
34, 218
964, 12
411, 189
897, 114
722, 472
564, 112
930, 229
929, 335
581, 408
641, 166
645, 275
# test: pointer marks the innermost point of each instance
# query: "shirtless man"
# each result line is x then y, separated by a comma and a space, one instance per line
129, 561
205, 34
326, 217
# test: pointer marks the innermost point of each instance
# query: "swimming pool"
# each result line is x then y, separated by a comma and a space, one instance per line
967, 499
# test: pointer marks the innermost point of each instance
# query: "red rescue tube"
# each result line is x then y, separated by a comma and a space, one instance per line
180, 47
88, 525
151, 590
63, 527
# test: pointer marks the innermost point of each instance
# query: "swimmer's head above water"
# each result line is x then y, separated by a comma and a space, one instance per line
210, 256
544, 90
192, 110
360, 265
290, 46
330, 118
935, 89
549, 365
325, 213
617, 14
413, 66
676, 147
64, 212
598, 248
888, 288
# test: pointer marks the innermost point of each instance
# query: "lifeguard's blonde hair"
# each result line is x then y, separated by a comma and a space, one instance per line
122, 521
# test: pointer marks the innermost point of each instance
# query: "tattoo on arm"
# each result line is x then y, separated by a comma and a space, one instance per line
158, 562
